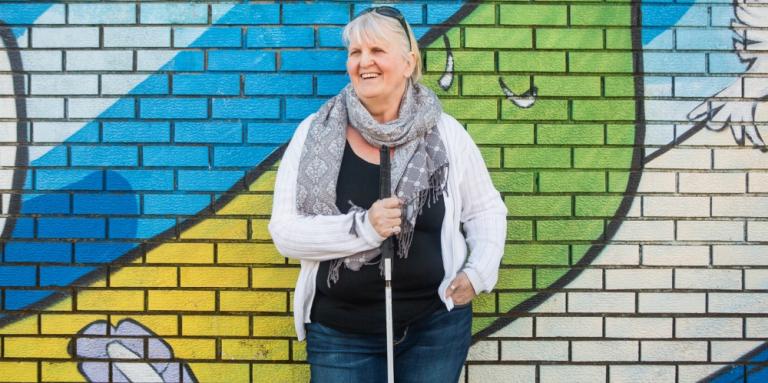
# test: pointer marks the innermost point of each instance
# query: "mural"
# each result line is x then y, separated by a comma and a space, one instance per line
139, 144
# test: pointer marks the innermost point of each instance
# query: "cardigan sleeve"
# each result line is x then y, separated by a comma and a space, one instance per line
484, 216
318, 237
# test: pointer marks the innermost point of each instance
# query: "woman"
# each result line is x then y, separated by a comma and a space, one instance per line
327, 214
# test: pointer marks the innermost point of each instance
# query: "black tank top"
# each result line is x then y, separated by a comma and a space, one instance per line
356, 302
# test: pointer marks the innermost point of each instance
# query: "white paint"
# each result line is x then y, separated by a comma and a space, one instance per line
134, 372
8, 134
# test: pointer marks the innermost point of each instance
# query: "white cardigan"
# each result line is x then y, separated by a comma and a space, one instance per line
470, 199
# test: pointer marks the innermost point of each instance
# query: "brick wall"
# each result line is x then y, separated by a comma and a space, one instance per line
139, 144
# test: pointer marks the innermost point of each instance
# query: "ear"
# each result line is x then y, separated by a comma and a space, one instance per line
411, 61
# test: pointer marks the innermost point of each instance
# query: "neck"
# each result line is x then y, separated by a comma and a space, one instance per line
387, 109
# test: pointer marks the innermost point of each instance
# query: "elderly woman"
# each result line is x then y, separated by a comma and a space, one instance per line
327, 213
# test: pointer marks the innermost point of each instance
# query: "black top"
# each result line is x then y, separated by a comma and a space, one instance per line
356, 302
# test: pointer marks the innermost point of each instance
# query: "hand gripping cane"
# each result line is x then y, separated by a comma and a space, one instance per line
387, 250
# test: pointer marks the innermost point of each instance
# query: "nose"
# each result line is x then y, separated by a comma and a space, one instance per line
366, 59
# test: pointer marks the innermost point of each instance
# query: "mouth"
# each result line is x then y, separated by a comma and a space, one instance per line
369, 76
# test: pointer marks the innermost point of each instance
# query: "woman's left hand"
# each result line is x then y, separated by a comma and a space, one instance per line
460, 290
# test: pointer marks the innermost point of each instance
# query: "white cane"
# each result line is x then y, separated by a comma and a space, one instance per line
387, 248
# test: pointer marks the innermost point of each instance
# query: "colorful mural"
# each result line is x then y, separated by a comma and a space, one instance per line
139, 144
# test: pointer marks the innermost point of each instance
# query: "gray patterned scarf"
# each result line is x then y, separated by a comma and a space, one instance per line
419, 167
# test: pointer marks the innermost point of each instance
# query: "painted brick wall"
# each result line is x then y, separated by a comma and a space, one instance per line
139, 144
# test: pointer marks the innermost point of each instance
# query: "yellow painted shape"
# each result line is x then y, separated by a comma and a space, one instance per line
252, 301
142, 276
61, 372
215, 228
254, 349
65, 304
110, 300
249, 253
24, 326
265, 182
193, 348
299, 350
214, 325
248, 204
274, 277
159, 324
264, 325
180, 253
37, 347
18, 372
221, 276
259, 229
224, 372
181, 300
65, 324
272, 372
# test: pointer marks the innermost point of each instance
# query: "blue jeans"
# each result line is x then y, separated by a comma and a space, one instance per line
430, 350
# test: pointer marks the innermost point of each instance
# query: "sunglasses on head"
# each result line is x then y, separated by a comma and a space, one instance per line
392, 12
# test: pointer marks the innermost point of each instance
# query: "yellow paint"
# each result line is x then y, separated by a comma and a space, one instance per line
221, 276
138, 276
180, 253
265, 182
254, 349
110, 300
259, 229
252, 301
249, 253
37, 347
65, 324
214, 325
274, 277
18, 372
24, 326
248, 204
193, 348
65, 304
299, 350
61, 372
214, 228
264, 325
269, 373
159, 324
181, 300
223, 372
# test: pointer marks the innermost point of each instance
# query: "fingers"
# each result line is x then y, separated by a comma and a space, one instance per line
460, 290
385, 216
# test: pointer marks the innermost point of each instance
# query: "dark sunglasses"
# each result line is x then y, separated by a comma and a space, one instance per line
392, 12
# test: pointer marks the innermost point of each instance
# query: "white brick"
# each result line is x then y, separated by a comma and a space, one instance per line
706, 137
546, 350
614, 254
645, 231
657, 182
740, 206
8, 86
694, 373
713, 182
710, 231
553, 304
605, 350
756, 279
672, 302
89, 107
7, 157
757, 231
757, 327
663, 255
682, 159
484, 350
53, 15
741, 158
758, 182
572, 374
708, 279
102, 13
754, 87
119, 84
153, 60
110, 60
748, 303
137, 36
675, 206
65, 37
569, 327
740, 255
32, 61
8, 131
587, 279
708, 328
670, 110
729, 351
673, 351
65, 84
659, 134
45, 107
630, 327
601, 302
518, 328
57, 132
642, 374
638, 279
501, 374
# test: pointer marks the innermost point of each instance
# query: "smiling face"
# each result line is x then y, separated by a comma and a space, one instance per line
378, 70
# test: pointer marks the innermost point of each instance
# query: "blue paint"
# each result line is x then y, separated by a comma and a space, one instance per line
135, 180
185, 61
101, 252
49, 252
19, 299
299, 108
246, 14
175, 204
175, 156
413, 13
46, 203
331, 84
661, 15
212, 181
71, 227
68, 179
56, 156
238, 60
270, 133
283, 37
137, 131
278, 84
246, 108
155, 84
206, 84
17, 276
22, 13
212, 132
311, 60
104, 155
62, 275
106, 204
214, 37
170, 108
330, 37
138, 228
315, 13
244, 157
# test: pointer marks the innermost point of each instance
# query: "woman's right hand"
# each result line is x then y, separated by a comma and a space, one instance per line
384, 215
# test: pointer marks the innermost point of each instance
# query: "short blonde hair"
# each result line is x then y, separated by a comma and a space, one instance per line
375, 27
